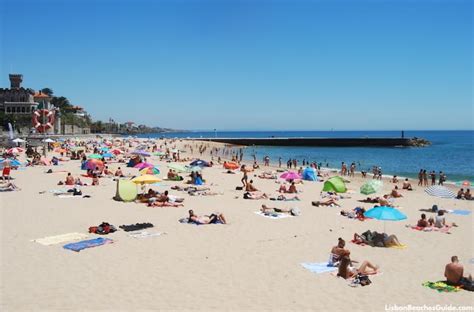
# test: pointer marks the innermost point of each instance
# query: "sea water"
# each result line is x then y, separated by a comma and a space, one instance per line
450, 152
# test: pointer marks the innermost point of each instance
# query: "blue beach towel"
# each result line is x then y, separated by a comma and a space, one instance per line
88, 244
461, 212
322, 267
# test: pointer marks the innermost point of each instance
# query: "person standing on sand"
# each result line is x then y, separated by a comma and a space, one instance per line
425, 178
420, 178
353, 168
245, 177
279, 162
433, 177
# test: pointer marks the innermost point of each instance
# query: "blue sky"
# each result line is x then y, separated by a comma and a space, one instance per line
254, 65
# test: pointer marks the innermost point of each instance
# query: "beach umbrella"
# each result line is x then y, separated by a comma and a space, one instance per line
117, 152
440, 191
371, 187
150, 170
384, 213
104, 149
465, 183
60, 150
199, 162
290, 175
9, 162
48, 140
14, 150
195, 168
178, 167
146, 179
91, 164
141, 153
143, 165
94, 156
231, 165
108, 155
18, 140
159, 154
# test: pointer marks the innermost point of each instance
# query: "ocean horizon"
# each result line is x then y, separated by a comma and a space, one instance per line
451, 150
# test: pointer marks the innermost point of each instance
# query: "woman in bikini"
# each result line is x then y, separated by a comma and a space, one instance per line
347, 271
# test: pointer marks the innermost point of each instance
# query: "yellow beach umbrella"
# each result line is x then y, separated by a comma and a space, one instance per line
146, 179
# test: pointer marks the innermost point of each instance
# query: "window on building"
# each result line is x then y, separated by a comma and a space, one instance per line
23, 109
8, 109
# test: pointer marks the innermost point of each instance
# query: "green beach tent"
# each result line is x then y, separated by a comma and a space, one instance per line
335, 184
126, 191
371, 187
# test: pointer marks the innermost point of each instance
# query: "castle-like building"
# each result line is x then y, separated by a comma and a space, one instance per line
16, 99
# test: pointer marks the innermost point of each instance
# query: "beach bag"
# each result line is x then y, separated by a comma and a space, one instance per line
103, 229
239, 188
295, 212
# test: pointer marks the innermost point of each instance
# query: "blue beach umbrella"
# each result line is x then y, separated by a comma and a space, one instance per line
385, 213
108, 155
11, 162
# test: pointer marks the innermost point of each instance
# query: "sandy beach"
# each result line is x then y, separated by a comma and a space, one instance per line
253, 263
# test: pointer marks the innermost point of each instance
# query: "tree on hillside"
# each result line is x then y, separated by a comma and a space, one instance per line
47, 91
61, 102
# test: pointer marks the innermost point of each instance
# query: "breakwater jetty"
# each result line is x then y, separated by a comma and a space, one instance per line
322, 142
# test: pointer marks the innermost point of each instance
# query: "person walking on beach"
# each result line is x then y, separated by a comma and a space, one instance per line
288, 164
279, 162
420, 178
442, 178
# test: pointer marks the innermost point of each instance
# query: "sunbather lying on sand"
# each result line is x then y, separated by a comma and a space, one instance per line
205, 219
267, 175
255, 195
268, 210
284, 198
9, 187
164, 204
189, 188
327, 202
375, 239
347, 271
356, 213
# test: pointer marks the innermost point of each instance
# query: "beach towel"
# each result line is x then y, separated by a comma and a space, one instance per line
318, 268
52, 240
135, 227
460, 212
143, 234
432, 229
88, 244
273, 215
441, 287
402, 246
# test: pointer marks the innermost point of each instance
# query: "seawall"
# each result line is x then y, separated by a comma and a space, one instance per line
320, 142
